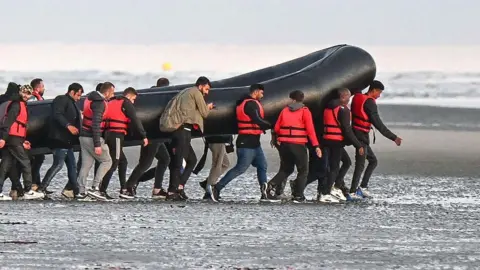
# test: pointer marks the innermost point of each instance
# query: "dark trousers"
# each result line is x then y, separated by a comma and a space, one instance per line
12, 154
319, 169
14, 176
163, 161
36, 163
115, 145
346, 163
180, 148
61, 156
334, 153
291, 156
360, 166
147, 154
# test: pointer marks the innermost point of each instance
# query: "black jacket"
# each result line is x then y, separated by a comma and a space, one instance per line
371, 110
98, 108
219, 139
344, 120
64, 113
253, 111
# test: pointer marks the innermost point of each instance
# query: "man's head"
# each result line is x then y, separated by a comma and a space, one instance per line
25, 92
162, 82
107, 90
375, 90
297, 96
130, 93
256, 91
98, 87
38, 86
344, 96
75, 91
203, 84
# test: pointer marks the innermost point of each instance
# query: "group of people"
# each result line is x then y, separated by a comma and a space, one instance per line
102, 124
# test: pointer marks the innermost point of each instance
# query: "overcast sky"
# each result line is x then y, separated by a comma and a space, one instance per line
366, 22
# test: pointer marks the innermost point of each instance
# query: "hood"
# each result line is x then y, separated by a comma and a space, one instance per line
12, 88
95, 96
333, 103
242, 99
295, 106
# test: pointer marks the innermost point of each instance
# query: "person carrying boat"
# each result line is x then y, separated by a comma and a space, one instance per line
251, 124
293, 129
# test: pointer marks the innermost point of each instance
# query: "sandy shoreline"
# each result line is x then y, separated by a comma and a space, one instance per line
423, 153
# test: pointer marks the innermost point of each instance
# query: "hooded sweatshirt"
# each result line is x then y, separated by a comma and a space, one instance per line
306, 118
98, 108
344, 120
253, 111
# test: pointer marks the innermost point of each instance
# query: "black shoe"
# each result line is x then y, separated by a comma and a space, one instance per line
299, 199
128, 194
174, 197
47, 192
108, 197
270, 192
203, 184
206, 196
161, 195
182, 194
215, 194
81, 196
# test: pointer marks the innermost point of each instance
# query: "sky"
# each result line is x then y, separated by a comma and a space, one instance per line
143, 22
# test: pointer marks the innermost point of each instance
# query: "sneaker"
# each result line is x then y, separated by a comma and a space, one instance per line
13, 194
33, 195
182, 194
271, 192
203, 185
5, 197
363, 192
354, 197
299, 199
68, 194
127, 194
328, 199
174, 197
337, 193
161, 195
96, 194
108, 197
214, 194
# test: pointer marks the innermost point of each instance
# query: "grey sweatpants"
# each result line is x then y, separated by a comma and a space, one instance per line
220, 162
88, 159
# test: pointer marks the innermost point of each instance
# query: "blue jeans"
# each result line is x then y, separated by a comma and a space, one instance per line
245, 158
59, 157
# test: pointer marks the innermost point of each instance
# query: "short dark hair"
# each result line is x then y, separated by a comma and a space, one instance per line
376, 85
106, 86
75, 87
202, 80
98, 87
163, 82
256, 86
130, 91
297, 95
35, 82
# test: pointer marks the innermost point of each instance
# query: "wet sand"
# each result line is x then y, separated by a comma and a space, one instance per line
424, 216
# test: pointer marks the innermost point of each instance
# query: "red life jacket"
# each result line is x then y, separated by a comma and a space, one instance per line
292, 126
88, 115
245, 124
360, 119
331, 126
116, 119
19, 127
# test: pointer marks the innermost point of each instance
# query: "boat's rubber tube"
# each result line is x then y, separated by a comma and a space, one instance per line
320, 73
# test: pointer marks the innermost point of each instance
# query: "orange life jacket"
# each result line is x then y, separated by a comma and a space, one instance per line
116, 119
245, 124
88, 115
360, 119
331, 126
292, 126
19, 127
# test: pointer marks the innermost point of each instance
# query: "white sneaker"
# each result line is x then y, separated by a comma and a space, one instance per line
33, 195
365, 192
5, 197
328, 199
337, 193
